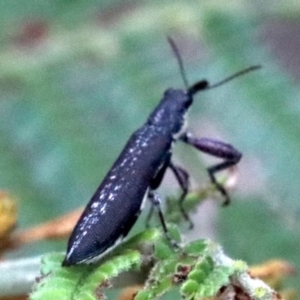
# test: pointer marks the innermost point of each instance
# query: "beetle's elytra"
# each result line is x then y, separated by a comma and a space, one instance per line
139, 171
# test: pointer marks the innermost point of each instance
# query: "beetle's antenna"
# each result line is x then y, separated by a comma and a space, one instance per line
238, 74
204, 85
179, 60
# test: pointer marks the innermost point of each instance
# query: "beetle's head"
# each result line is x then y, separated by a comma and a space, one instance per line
170, 113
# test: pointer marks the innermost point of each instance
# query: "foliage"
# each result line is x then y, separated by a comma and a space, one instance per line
199, 269
86, 281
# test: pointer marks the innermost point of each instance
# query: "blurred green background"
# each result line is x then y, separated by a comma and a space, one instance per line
77, 77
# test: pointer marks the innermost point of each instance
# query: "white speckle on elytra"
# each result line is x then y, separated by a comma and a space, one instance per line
117, 187
123, 162
111, 196
95, 220
103, 209
95, 204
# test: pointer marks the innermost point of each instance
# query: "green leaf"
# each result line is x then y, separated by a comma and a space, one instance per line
82, 281
98, 277
196, 247
190, 287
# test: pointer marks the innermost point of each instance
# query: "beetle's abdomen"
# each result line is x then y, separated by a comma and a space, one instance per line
116, 204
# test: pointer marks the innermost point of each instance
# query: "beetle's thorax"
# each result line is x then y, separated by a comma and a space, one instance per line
170, 113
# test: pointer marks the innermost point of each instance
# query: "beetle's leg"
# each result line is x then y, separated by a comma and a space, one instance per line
218, 149
156, 202
182, 177
156, 181
149, 215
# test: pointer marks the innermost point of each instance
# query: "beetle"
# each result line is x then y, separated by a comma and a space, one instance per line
139, 171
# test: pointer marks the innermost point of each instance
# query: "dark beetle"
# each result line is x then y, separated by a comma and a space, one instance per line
139, 171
